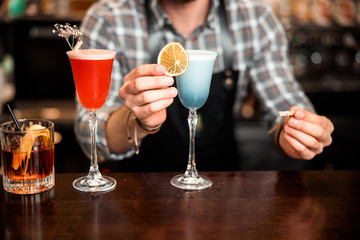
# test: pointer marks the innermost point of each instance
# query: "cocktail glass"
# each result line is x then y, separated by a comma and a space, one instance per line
193, 90
27, 156
91, 70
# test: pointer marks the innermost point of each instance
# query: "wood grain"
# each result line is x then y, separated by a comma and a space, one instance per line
240, 205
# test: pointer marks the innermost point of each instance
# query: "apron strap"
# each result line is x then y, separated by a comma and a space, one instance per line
225, 36
154, 39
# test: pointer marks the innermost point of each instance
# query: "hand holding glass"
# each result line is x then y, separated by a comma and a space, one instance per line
92, 73
193, 90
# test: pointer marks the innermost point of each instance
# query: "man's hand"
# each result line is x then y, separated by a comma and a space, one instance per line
305, 134
147, 93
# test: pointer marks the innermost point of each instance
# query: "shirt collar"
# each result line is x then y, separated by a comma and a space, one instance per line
162, 19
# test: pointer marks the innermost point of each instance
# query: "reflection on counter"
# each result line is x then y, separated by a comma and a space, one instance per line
31, 206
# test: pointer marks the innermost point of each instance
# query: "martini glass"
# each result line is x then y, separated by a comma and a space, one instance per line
193, 90
91, 70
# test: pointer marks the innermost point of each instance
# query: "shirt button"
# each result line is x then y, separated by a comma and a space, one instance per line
228, 83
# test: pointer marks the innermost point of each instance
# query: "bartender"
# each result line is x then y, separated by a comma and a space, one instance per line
252, 54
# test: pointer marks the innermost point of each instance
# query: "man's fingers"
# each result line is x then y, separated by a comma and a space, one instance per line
306, 140
147, 110
311, 129
301, 150
148, 83
313, 118
146, 70
150, 96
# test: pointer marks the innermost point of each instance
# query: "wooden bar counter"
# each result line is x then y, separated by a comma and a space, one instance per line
256, 205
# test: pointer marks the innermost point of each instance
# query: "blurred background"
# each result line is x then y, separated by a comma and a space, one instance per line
324, 37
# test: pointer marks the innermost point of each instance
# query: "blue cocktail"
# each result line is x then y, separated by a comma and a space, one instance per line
194, 84
193, 90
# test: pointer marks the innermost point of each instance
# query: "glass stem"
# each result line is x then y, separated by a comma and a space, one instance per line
191, 167
94, 172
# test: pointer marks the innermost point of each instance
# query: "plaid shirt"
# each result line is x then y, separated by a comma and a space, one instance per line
259, 54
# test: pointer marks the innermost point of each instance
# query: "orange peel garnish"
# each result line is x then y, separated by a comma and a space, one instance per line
26, 144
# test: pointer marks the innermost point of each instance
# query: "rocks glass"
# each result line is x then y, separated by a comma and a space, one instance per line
27, 156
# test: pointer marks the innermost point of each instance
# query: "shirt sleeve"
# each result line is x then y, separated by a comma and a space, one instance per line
98, 34
272, 76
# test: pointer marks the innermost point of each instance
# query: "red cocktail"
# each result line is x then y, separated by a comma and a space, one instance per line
92, 73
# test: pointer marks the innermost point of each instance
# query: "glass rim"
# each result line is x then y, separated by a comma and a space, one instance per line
207, 52
201, 54
91, 54
51, 125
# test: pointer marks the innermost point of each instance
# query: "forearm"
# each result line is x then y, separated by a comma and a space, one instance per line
116, 131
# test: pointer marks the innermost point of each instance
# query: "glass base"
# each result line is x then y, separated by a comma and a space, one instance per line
191, 183
23, 187
85, 184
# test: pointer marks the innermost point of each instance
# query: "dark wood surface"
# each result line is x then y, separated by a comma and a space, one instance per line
240, 205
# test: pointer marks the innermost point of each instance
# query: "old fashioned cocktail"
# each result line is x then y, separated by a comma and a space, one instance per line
27, 156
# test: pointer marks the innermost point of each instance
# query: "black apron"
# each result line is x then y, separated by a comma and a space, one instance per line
215, 145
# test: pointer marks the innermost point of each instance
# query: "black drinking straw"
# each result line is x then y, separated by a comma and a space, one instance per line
14, 118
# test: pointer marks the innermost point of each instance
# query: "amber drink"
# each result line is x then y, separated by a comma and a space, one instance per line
27, 156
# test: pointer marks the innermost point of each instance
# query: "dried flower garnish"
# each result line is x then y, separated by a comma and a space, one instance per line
69, 33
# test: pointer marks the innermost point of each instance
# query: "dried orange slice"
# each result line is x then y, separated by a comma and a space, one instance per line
26, 144
175, 58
